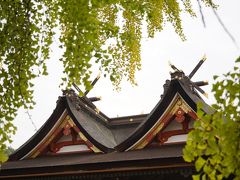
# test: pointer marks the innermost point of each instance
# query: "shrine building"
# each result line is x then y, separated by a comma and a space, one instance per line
80, 142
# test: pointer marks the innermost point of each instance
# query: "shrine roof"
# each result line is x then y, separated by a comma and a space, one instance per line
114, 134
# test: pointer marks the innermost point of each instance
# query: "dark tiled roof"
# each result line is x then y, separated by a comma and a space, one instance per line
92, 124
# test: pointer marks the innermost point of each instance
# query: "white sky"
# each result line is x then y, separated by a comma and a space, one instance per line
212, 41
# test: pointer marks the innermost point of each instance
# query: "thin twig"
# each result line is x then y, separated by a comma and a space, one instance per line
19, 75
225, 28
30, 118
202, 16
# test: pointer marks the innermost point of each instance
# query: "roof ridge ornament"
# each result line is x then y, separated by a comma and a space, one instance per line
179, 74
84, 94
86, 100
197, 66
93, 83
174, 67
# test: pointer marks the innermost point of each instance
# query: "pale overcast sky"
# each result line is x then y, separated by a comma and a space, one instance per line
166, 46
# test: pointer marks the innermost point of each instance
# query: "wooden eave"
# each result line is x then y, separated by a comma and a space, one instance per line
169, 156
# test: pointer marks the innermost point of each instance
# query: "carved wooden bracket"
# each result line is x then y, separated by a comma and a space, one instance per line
67, 130
180, 115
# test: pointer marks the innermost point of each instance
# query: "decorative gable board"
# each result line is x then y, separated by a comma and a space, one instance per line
68, 140
64, 137
171, 127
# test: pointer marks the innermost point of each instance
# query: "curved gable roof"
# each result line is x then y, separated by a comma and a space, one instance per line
176, 88
95, 132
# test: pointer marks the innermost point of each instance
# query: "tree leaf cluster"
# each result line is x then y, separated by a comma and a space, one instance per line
214, 144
